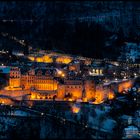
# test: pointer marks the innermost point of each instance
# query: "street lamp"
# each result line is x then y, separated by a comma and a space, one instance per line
124, 77
42, 113
116, 79
63, 75
135, 99
59, 72
114, 73
135, 74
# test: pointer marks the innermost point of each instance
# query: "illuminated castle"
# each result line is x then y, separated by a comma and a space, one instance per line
39, 79
42, 80
78, 89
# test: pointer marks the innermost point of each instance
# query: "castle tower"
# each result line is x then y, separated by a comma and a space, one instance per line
84, 92
89, 86
15, 76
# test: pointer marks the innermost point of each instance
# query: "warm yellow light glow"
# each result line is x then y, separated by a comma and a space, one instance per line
39, 59
33, 96
64, 60
75, 109
43, 97
101, 71
2, 102
99, 96
59, 72
84, 99
31, 58
98, 102
124, 86
49, 59
70, 99
6, 101
111, 95
97, 71
38, 97
63, 75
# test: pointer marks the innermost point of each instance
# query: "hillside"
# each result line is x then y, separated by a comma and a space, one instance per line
74, 27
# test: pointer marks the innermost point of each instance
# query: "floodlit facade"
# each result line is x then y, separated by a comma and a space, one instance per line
50, 59
42, 79
73, 87
15, 76
39, 79
77, 88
